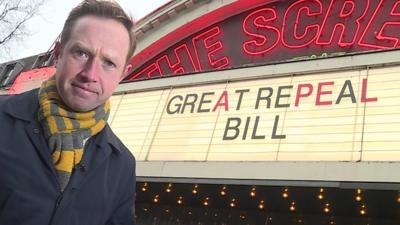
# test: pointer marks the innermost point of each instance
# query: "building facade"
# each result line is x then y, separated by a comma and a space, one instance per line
259, 112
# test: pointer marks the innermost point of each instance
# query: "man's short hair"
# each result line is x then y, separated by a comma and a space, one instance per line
100, 8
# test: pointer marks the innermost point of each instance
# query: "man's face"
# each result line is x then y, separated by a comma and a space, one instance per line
92, 62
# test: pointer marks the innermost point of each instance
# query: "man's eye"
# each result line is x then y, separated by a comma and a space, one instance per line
109, 65
81, 54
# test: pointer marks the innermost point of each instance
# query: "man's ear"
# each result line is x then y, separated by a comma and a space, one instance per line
57, 50
127, 69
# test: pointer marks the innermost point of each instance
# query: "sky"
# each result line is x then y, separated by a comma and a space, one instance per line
47, 25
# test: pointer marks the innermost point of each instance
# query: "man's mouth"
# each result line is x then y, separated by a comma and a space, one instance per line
84, 88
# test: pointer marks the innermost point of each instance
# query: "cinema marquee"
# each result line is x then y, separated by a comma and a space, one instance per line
273, 32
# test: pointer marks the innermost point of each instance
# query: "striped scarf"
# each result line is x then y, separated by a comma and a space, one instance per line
66, 130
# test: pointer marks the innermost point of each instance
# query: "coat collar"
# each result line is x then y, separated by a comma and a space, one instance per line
25, 107
107, 136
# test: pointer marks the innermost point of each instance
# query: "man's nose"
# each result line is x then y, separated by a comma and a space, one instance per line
91, 70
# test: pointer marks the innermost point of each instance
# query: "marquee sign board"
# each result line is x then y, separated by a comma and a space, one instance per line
275, 32
335, 116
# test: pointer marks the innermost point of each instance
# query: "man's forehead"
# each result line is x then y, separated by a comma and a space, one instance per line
92, 30
94, 22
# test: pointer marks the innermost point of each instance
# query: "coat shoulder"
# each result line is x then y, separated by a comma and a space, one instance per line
20, 106
118, 144
3, 101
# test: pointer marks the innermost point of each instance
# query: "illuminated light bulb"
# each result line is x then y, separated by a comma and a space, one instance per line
232, 204
180, 200
144, 188
321, 194
242, 217
331, 222
167, 211
195, 191
358, 197
206, 203
398, 198
261, 205
156, 199
299, 220
223, 191
363, 210
253, 192
326, 208
169, 188
145, 209
285, 193
292, 206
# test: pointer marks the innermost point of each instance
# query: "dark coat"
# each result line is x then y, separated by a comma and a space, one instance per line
101, 190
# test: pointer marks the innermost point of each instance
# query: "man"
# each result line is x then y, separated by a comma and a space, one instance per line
60, 163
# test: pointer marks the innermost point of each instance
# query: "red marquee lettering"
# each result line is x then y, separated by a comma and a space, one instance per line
296, 33
149, 72
263, 35
388, 34
343, 15
222, 101
207, 44
279, 31
364, 97
183, 59
320, 92
300, 94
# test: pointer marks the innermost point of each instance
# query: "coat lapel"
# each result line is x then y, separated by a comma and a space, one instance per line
24, 108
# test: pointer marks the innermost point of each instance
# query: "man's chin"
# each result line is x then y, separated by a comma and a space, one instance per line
80, 107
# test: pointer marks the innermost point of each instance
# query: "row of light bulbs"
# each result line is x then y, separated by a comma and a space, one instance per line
261, 204
326, 208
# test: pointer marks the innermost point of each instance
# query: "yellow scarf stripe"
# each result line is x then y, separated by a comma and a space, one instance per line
97, 127
51, 121
68, 129
87, 123
52, 95
49, 83
66, 160
85, 115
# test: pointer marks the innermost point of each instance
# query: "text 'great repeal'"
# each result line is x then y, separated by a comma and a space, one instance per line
307, 94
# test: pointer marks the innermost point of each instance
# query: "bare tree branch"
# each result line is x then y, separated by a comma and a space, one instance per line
5, 11
14, 15
13, 32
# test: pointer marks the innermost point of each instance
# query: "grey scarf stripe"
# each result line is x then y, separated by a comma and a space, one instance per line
59, 121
